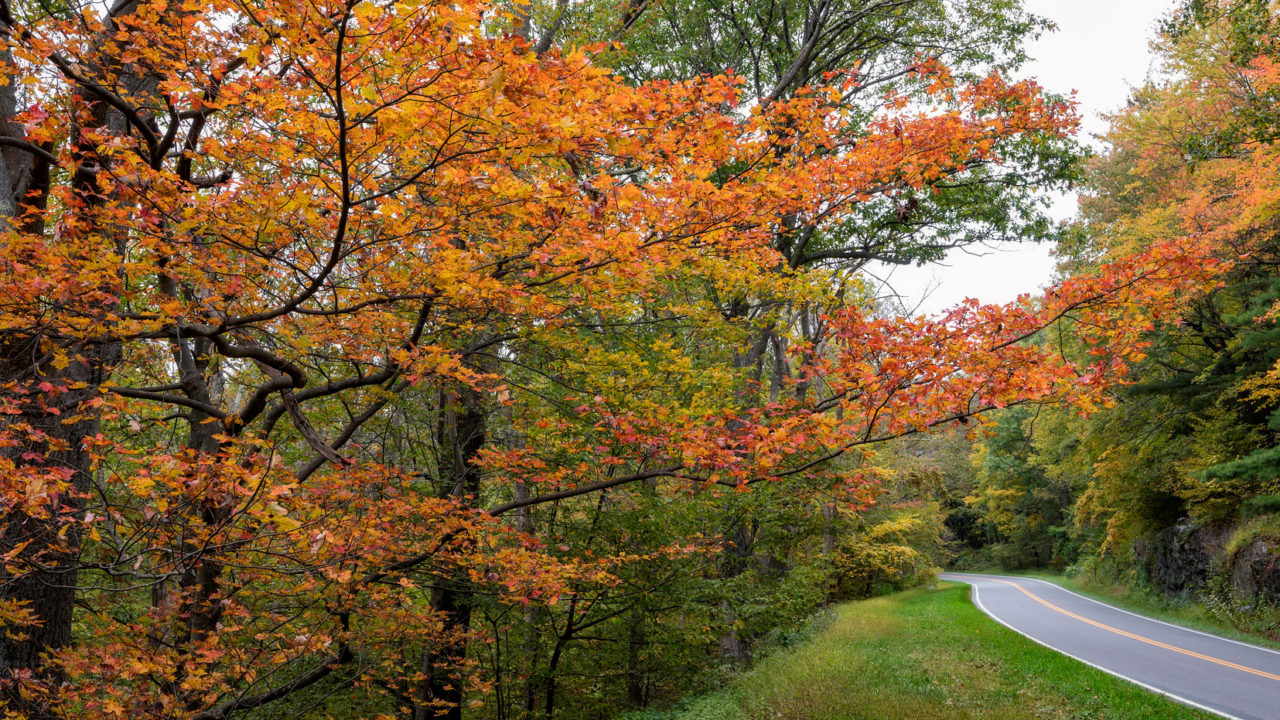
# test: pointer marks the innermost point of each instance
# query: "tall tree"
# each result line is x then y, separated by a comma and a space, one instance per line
320, 294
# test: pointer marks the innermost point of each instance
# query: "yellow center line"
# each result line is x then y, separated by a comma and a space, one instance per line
1149, 641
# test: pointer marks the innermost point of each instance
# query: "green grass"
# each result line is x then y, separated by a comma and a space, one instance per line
923, 654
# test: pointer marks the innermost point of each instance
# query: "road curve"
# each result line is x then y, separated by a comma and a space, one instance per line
1229, 678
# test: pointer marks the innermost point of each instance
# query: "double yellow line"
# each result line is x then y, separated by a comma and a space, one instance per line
1139, 638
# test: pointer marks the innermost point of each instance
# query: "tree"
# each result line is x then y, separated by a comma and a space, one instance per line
780, 47
1190, 440
301, 300
1027, 505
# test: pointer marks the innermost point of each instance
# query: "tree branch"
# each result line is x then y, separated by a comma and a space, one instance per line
586, 489
31, 148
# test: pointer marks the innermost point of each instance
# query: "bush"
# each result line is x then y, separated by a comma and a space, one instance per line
1260, 505
898, 552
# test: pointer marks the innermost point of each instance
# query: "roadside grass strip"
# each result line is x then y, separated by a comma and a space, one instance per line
924, 654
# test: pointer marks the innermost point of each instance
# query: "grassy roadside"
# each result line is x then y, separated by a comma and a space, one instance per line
925, 653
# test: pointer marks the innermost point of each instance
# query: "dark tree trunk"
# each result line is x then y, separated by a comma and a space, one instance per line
549, 705
734, 562
637, 673
42, 549
43, 573
440, 691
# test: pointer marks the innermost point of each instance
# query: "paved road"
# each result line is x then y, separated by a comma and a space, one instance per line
1225, 677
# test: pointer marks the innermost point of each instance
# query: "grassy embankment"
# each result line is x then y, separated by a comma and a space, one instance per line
923, 654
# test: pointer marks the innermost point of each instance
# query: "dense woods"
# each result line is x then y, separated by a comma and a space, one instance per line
409, 359
1171, 489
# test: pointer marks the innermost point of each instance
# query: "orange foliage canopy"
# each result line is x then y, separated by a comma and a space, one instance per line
268, 224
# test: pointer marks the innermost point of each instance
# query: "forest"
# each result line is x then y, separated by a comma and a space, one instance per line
518, 359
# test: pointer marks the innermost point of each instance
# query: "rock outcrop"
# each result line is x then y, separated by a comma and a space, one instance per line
1179, 558
1255, 570
1185, 558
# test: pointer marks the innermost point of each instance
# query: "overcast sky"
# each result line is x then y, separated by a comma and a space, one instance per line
1100, 51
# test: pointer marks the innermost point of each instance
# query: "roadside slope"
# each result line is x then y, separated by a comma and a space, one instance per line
926, 653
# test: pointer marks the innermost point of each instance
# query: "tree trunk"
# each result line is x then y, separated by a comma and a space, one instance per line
440, 691
734, 562
41, 572
637, 673
531, 642
829, 516
41, 550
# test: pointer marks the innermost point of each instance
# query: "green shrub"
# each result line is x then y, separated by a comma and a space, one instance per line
899, 551
1260, 505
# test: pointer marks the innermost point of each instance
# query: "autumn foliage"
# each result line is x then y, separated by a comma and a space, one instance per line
301, 303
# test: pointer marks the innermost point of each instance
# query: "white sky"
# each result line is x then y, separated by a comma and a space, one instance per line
1100, 51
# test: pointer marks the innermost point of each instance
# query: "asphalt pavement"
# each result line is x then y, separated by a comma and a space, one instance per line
1226, 677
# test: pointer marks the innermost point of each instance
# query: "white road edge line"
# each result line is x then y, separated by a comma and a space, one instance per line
1109, 606
1144, 617
977, 600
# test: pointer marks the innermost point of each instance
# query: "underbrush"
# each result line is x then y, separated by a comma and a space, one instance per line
924, 653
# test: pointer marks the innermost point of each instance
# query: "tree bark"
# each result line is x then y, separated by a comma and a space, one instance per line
43, 548
637, 673
440, 692
42, 574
